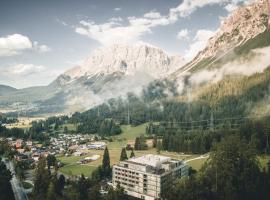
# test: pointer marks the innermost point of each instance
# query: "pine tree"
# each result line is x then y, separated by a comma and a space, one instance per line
60, 184
51, 161
106, 168
51, 194
41, 181
155, 142
137, 145
123, 155
132, 155
83, 186
159, 146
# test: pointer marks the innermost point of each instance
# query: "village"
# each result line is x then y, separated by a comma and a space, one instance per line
64, 145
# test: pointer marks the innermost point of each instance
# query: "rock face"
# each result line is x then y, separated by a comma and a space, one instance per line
127, 60
241, 26
109, 72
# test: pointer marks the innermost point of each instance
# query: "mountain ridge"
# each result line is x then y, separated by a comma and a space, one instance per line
242, 26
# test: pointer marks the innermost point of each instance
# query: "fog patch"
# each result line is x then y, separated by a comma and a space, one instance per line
246, 67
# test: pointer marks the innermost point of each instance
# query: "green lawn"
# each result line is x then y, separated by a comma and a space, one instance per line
197, 164
76, 169
128, 133
70, 127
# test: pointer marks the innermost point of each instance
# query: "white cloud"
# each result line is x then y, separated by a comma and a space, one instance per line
117, 9
25, 69
246, 67
152, 15
14, 44
199, 42
41, 48
116, 31
234, 4
61, 22
231, 7
187, 7
116, 19
17, 43
21, 75
183, 34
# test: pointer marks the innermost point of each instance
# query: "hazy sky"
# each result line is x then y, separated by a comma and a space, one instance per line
40, 39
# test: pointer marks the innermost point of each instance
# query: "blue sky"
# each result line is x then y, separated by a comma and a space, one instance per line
41, 39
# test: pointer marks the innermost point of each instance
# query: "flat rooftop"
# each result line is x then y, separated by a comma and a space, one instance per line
150, 159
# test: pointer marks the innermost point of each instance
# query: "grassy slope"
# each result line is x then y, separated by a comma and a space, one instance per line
129, 133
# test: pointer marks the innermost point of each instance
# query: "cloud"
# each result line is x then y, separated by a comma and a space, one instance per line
115, 19
152, 15
113, 31
183, 34
25, 69
247, 67
234, 4
117, 9
22, 75
61, 22
16, 44
41, 48
131, 29
187, 7
199, 42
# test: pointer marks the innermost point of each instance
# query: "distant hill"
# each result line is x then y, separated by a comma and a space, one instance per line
4, 90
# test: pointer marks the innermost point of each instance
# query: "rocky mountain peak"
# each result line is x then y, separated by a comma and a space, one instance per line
128, 59
243, 24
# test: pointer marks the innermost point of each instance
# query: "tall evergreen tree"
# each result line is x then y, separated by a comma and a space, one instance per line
106, 167
159, 146
123, 155
137, 144
155, 141
132, 154
51, 194
5, 186
60, 184
41, 180
83, 186
51, 161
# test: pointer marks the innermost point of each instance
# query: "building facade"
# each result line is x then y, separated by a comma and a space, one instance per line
147, 177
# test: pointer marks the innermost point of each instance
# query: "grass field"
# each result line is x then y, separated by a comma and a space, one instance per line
72, 168
129, 133
75, 170
24, 122
70, 127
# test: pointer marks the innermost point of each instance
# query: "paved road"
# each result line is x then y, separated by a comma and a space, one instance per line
17, 188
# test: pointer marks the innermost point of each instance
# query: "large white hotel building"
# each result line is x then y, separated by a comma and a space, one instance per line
146, 177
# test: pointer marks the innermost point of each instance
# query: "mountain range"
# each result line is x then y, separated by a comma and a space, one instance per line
239, 48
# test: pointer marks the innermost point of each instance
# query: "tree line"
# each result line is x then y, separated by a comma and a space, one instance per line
232, 172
